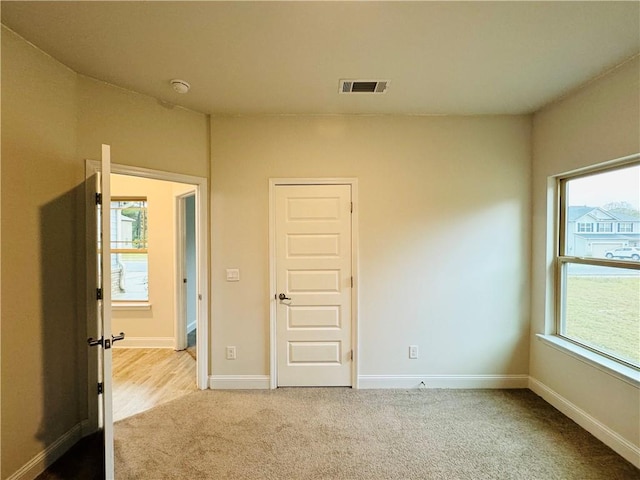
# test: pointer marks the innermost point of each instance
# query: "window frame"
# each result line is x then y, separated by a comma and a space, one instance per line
122, 303
584, 227
562, 259
624, 230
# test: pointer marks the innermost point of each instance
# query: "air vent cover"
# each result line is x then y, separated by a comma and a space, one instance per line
363, 86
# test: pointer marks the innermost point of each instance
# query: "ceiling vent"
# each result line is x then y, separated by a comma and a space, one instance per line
363, 86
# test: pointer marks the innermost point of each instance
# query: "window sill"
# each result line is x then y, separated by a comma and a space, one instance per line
626, 374
131, 306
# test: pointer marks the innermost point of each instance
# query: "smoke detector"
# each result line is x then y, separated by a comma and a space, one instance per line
180, 86
363, 86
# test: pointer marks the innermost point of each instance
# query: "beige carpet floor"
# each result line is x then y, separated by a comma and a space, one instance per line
361, 434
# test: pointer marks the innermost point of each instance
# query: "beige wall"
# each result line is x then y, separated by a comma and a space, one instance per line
52, 119
141, 131
597, 124
40, 177
154, 326
444, 216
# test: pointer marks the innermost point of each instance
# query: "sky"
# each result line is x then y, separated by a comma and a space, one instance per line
597, 190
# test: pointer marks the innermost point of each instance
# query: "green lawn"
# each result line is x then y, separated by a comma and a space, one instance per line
605, 312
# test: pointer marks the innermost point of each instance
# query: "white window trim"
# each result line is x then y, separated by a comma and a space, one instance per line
125, 305
616, 368
623, 372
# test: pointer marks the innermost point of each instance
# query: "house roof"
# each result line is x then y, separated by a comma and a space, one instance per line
575, 213
255, 57
625, 218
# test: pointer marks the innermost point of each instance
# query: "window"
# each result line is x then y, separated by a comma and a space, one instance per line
585, 227
599, 281
626, 227
129, 257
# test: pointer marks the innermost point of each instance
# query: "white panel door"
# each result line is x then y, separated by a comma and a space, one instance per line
103, 339
105, 312
314, 285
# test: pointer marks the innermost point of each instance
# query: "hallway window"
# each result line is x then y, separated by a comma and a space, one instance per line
129, 256
599, 275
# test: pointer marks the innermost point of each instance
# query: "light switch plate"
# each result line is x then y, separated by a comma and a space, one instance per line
233, 275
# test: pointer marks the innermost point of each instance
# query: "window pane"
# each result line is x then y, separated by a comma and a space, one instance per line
128, 224
602, 217
602, 309
129, 277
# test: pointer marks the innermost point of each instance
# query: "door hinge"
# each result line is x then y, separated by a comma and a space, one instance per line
100, 388
351, 282
351, 354
351, 207
98, 199
99, 293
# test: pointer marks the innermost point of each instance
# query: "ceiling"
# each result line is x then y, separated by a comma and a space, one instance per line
287, 57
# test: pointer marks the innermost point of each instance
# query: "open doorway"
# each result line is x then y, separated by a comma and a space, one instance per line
154, 291
186, 268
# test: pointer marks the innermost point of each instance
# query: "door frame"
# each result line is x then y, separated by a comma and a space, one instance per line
273, 184
202, 243
180, 326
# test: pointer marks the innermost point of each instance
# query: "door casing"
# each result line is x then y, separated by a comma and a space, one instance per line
273, 184
202, 243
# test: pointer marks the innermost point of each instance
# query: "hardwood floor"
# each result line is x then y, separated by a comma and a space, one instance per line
192, 343
146, 377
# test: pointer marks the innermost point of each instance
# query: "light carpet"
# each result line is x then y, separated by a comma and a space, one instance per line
322, 433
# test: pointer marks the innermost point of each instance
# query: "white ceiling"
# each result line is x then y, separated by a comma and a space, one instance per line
287, 57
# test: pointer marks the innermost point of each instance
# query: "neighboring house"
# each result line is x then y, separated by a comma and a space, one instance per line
591, 231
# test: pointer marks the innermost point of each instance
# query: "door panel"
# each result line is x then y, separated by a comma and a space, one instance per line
313, 317
313, 281
104, 309
301, 353
99, 311
93, 325
313, 272
305, 245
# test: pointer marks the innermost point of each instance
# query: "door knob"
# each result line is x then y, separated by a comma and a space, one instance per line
92, 342
117, 338
105, 343
282, 296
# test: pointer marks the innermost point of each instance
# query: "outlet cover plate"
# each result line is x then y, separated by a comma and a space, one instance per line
231, 353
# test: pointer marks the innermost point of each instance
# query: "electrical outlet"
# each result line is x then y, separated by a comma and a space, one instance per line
413, 351
231, 353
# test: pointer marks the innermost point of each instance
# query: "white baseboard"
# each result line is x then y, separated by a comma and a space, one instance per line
239, 382
617, 443
53, 452
228, 382
146, 342
443, 381
191, 326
